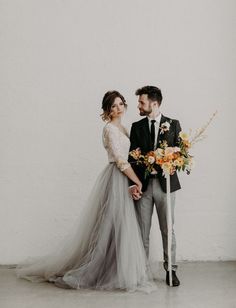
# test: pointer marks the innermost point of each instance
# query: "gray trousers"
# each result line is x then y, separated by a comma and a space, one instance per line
144, 209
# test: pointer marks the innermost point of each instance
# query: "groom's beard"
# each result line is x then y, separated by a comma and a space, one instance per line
144, 112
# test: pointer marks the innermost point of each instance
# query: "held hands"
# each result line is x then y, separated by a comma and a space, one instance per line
136, 191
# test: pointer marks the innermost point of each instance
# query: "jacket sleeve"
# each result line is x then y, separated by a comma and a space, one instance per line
177, 131
133, 143
133, 146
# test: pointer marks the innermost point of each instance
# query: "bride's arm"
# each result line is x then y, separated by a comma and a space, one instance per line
111, 135
129, 172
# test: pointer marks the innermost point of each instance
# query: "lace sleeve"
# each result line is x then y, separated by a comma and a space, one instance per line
115, 148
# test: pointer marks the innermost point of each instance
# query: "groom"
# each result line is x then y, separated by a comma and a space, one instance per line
147, 134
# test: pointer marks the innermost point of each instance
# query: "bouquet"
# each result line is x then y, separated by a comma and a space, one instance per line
171, 159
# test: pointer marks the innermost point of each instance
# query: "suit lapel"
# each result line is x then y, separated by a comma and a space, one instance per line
160, 136
146, 132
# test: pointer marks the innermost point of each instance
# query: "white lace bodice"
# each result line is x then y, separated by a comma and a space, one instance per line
117, 145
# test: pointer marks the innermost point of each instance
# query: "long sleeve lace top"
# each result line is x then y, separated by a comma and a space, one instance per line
117, 145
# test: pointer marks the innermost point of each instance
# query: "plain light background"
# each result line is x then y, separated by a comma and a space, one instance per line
58, 58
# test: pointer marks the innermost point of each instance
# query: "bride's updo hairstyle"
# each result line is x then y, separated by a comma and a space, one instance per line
107, 103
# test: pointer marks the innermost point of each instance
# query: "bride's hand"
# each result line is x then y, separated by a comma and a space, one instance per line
136, 191
139, 187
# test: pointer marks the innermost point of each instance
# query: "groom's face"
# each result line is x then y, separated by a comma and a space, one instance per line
145, 106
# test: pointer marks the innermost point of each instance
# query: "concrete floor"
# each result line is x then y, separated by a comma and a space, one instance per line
203, 285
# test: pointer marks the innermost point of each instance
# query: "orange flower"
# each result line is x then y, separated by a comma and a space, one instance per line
151, 153
151, 157
159, 161
176, 155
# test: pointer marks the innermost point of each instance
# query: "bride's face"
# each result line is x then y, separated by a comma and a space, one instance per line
117, 108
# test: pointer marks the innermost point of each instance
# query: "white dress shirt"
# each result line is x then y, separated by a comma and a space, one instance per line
156, 126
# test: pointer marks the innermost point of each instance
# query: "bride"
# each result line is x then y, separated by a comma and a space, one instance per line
106, 250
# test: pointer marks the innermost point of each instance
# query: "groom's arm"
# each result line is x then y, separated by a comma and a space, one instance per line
133, 146
133, 138
177, 131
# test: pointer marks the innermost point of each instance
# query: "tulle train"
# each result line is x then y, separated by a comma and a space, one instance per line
105, 250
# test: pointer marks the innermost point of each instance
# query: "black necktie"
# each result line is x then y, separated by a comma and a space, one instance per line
153, 133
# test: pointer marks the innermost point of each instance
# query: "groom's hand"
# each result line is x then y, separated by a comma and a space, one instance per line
135, 192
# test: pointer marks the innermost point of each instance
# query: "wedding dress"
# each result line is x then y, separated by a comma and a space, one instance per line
106, 250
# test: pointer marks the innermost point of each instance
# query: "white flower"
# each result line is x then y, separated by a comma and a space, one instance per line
164, 127
151, 160
160, 152
166, 124
176, 149
169, 150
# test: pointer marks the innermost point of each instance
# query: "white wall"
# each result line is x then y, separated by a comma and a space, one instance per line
58, 58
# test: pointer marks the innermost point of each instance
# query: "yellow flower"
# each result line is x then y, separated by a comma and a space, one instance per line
164, 144
187, 143
179, 162
184, 136
135, 153
166, 167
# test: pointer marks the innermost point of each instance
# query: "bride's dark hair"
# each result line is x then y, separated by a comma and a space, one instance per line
108, 100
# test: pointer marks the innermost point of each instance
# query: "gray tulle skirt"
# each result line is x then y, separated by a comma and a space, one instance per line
105, 250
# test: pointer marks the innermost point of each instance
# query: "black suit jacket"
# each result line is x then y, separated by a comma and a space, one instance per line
140, 138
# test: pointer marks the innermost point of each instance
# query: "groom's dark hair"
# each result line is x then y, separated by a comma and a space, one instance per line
153, 93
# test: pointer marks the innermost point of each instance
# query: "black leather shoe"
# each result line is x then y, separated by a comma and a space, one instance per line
175, 280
